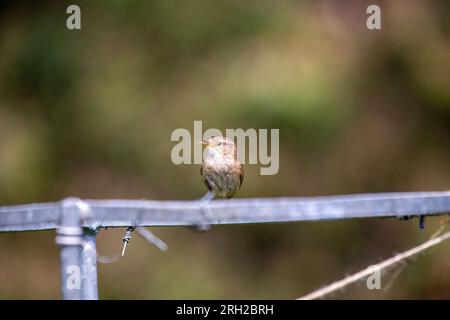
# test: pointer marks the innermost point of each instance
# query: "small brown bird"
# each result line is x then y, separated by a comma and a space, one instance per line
221, 171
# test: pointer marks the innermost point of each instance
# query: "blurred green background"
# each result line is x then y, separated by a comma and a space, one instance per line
89, 113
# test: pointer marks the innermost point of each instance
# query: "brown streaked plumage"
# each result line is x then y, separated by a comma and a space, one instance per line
221, 171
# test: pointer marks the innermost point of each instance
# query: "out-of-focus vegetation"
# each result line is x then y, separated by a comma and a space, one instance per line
89, 113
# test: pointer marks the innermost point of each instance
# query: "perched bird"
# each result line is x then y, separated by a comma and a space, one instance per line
221, 171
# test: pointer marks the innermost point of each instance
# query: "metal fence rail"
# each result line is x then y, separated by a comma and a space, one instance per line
78, 221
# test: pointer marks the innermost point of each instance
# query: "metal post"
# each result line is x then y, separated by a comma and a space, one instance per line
70, 240
89, 265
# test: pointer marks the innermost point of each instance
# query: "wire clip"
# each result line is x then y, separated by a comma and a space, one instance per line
126, 239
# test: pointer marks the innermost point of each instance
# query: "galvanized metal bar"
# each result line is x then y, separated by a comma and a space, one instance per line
78, 246
30, 217
89, 265
70, 240
124, 213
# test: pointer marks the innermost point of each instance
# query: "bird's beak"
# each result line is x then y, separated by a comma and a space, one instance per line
203, 142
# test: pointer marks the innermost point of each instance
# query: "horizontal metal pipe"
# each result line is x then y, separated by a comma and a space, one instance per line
124, 213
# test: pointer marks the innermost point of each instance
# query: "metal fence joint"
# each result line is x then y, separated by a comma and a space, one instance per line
70, 240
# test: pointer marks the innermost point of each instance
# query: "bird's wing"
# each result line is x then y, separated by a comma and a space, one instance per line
205, 181
241, 175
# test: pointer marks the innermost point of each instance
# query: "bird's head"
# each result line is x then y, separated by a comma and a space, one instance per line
219, 147
218, 141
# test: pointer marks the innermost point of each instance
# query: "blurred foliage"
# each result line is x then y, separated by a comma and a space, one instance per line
89, 113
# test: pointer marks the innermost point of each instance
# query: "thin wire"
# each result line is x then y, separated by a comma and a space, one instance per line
108, 259
394, 276
338, 285
207, 197
151, 238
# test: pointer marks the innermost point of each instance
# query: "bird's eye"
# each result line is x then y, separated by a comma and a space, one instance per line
220, 143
